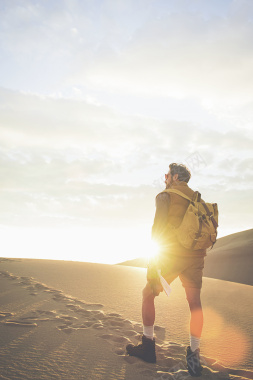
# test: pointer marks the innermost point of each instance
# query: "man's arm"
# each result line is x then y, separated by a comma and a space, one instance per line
161, 216
158, 229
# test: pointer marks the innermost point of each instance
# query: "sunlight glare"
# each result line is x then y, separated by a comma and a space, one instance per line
101, 245
152, 249
235, 345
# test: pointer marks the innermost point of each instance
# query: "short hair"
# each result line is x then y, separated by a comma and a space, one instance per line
183, 172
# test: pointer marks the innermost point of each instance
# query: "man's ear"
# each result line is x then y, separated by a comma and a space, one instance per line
175, 177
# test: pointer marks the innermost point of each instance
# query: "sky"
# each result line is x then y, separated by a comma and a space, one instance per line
98, 97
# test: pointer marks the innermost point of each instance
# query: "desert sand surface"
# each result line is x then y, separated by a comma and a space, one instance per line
72, 320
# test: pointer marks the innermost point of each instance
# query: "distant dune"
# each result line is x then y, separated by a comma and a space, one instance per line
231, 259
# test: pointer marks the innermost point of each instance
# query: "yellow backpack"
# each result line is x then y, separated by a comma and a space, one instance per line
198, 229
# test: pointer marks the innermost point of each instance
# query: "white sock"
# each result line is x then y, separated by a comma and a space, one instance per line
148, 331
195, 342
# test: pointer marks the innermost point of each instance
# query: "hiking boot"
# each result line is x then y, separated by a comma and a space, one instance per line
193, 362
144, 350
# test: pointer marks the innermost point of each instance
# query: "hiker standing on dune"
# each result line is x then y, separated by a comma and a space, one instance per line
174, 260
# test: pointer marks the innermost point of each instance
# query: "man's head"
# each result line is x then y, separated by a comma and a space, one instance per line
177, 172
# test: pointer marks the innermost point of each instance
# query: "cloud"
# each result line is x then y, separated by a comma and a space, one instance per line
68, 162
148, 48
182, 55
181, 73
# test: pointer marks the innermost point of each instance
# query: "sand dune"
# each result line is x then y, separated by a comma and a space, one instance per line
67, 332
231, 259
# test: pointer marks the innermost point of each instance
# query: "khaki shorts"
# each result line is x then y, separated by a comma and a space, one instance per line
189, 269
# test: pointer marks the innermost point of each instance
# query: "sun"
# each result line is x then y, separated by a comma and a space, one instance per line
151, 249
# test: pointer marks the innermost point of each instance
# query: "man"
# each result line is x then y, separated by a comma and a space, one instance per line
174, 260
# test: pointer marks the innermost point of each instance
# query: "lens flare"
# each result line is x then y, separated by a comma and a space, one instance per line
213, 324
222, 340
152, 250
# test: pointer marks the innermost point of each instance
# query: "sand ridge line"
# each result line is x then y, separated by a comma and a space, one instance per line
5, 259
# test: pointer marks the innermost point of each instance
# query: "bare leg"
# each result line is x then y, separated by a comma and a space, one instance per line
148, 306
196, 321
146, 349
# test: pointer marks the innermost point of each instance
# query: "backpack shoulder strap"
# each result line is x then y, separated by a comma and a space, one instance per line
178, 193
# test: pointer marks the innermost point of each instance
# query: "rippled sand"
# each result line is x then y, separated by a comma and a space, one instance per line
68, 320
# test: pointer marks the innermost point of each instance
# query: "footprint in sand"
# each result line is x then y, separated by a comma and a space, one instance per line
136, 326
148, 372
114, 315
69, 327
66, 330
98, 326
49, 312
97, 314
36, 319
66, 319
9, 275
26, 280
74, 307
116, 323
120, 351
4, 315
14, 277
5, 273
131, 333
130, 359
115, 338
59, 298
20, 324
92, 305
40, 286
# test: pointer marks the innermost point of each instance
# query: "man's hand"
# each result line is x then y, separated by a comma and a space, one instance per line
156, 286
